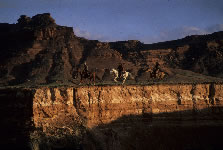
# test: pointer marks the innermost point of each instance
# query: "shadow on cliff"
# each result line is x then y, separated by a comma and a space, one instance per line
196, 129
16, 111
183, 130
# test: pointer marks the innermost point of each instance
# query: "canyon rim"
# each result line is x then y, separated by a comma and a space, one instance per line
44, 107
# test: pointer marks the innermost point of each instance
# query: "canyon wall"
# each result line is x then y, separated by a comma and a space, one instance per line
109, 117
104, 104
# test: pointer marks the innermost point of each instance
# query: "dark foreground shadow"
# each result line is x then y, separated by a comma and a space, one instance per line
184, 130
16, 114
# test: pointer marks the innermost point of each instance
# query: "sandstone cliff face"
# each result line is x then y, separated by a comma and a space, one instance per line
108, 117
102, 105
98, 116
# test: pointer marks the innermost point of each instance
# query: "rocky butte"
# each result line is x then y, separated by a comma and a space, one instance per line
43, 107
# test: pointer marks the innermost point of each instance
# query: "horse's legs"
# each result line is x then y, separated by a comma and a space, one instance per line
125, 76
94, 77
76, 74
91, 78
81, 81
115, 79
124, 80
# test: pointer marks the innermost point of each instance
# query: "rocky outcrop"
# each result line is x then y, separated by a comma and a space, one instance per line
43, 53
37, 51
37, 20
104, 117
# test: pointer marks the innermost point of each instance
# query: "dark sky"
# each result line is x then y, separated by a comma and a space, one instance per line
111, 20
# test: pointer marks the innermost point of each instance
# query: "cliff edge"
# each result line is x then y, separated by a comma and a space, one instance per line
180, 116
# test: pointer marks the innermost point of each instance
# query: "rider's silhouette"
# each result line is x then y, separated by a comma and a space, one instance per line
157, 67
120, 70
85, 68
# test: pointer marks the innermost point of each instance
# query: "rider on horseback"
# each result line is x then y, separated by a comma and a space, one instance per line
156, 68
86, 74
120, 70
85, 71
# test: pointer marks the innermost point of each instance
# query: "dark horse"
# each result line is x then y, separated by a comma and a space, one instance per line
87, 75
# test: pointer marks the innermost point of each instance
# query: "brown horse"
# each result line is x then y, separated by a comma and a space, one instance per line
87, 75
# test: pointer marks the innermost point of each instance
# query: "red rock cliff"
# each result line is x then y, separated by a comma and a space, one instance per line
102, 105
109, 117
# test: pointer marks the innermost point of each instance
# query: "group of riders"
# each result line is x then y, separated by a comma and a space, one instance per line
120, 69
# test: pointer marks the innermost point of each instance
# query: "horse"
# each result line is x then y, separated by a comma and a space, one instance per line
75, 73
156, 74
87, 75
124, 75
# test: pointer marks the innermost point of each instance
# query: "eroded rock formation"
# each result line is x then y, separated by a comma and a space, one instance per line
95, 117
37, 51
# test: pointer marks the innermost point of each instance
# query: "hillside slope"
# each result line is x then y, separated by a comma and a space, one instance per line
38, 51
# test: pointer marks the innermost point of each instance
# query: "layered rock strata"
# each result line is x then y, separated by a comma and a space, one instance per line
102, 117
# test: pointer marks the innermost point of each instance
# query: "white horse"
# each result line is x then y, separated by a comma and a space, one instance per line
123, 76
